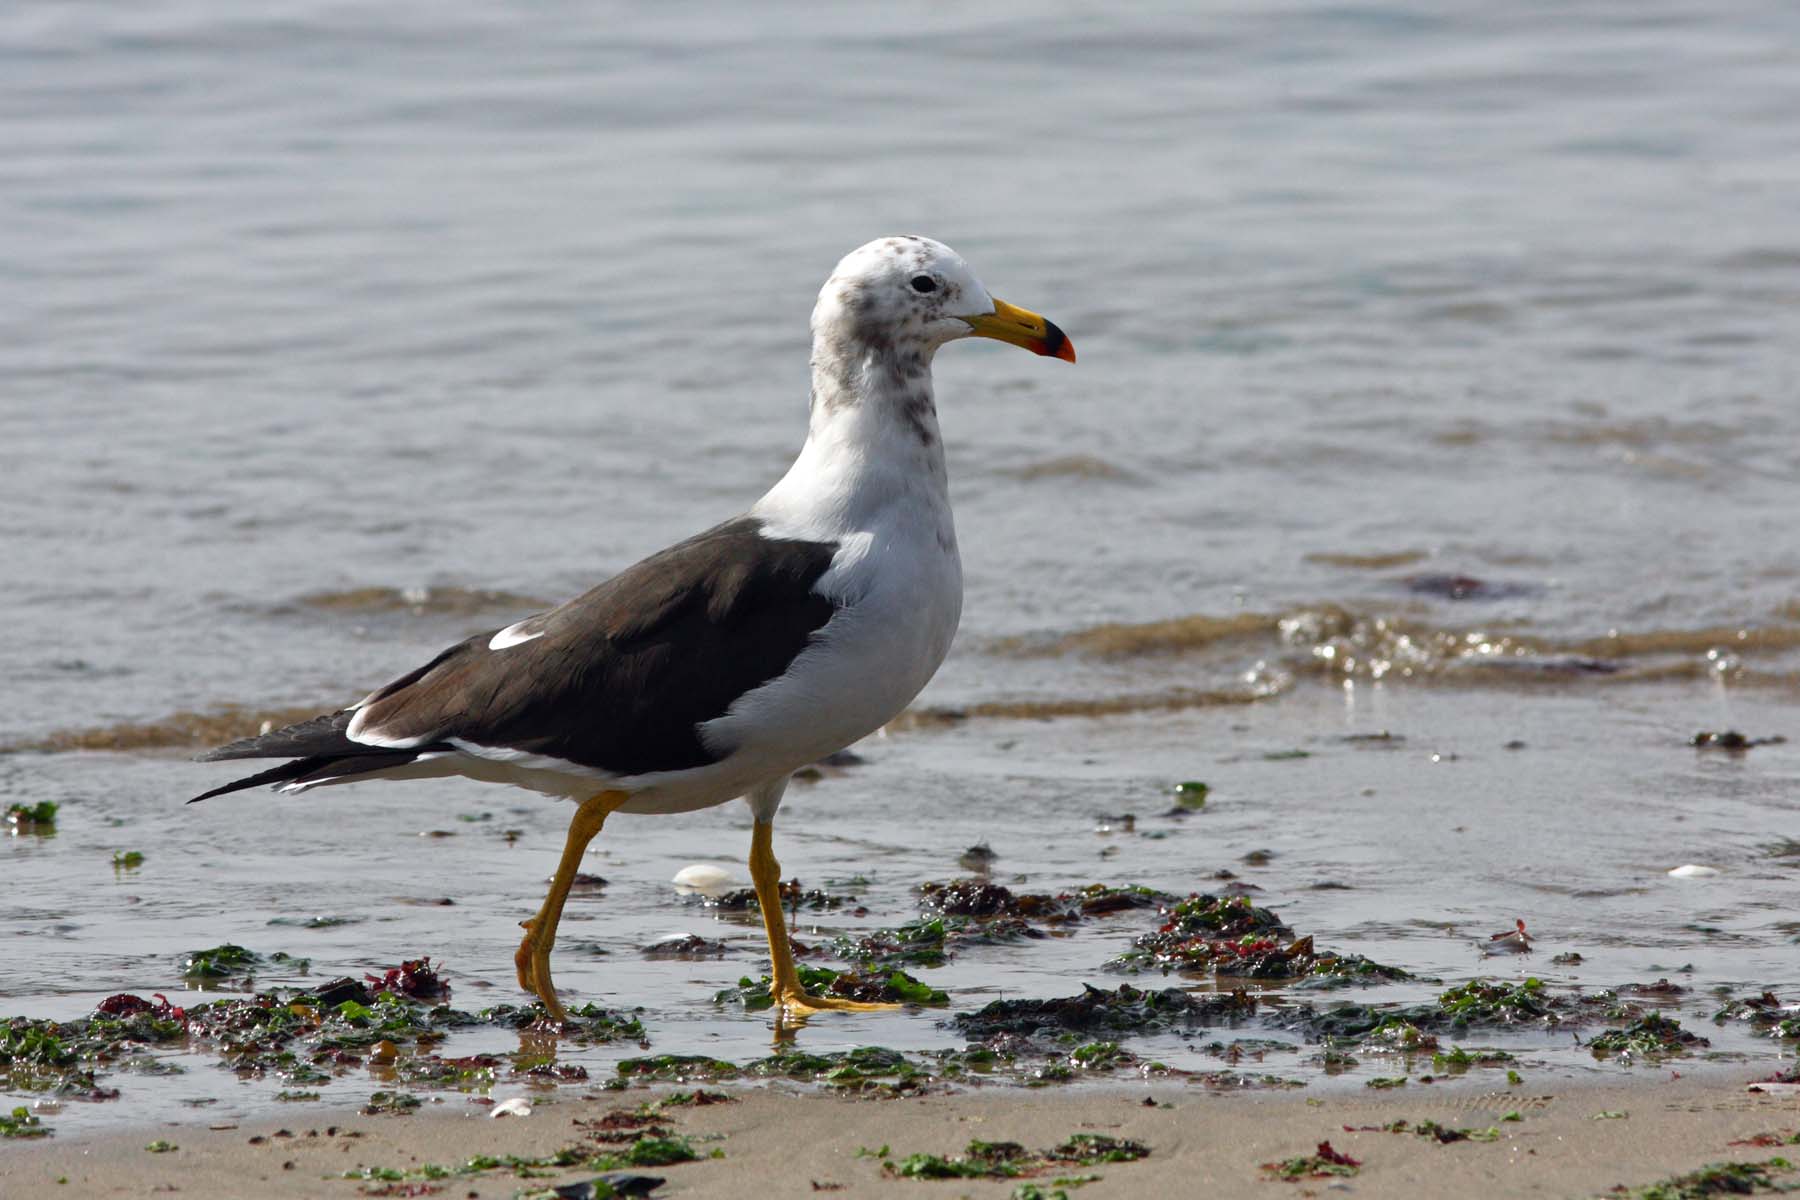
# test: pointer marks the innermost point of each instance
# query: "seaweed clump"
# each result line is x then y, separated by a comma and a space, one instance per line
39, 818
415, 979
1323, 1163
1010, 1160
979, 912
1441, 1134
1231, 936
1122, 1010
982, 898
885, 987
929, 942
304, 1038
794, 896
1491, 1002
1650, 1036
1730, 740
1714, 1179
64, 1058
232, 966
1480, 1002
646, 1151
1765, 1013
22, 1123
863, 1070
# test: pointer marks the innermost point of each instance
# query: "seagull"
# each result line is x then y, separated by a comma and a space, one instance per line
717, 667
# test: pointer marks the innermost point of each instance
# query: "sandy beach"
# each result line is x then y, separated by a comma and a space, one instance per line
784, 1144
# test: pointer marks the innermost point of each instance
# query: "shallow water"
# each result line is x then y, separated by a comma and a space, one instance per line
1436, 377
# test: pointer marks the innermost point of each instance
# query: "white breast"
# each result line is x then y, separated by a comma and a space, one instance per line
900, 588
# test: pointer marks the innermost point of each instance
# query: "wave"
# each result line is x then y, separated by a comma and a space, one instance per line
422, 601
1257, 657
175, 731
1333, 640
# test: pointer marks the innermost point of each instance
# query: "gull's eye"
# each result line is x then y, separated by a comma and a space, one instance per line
924, 283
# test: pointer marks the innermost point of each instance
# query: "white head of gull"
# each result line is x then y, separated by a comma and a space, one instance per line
715, 668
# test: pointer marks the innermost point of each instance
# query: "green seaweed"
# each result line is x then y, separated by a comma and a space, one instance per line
1763, 1012
677, 1068
865, 1069
1398, 1035
648, 1151
1480, 1002
982, 898
794, 896
892, 987
1716, 1179
661, 1151
1652, 1035
220, 962
303, 1038
1191, 794
1010, 1160
1458, 1060
1100, 1056
1486, 1001
39, 818
929, 941
22, 1123
1323, 1163
399, 1103
1443, 1134
1231, 936
1122, 1010
698, 1098
1092, 1149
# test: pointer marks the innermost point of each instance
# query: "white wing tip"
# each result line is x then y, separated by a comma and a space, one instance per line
512, 636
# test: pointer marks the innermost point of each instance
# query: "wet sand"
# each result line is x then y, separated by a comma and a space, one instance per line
782, 1144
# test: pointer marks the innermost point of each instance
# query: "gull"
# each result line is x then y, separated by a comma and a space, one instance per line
715, 668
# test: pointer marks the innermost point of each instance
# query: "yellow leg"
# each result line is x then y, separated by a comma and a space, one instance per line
533, 957
785, 987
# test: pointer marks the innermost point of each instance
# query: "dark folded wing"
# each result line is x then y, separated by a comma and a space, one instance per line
619, 679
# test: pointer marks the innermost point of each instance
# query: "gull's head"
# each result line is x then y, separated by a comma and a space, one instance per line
907, 296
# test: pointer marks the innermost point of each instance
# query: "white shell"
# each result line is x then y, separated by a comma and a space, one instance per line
1693, 871
518, 1106
702, 877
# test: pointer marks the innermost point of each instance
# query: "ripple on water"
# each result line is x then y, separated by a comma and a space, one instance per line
422, 601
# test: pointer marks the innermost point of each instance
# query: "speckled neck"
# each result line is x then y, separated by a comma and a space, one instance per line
891, 382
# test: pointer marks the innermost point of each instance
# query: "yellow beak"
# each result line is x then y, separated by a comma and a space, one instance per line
1021, 327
